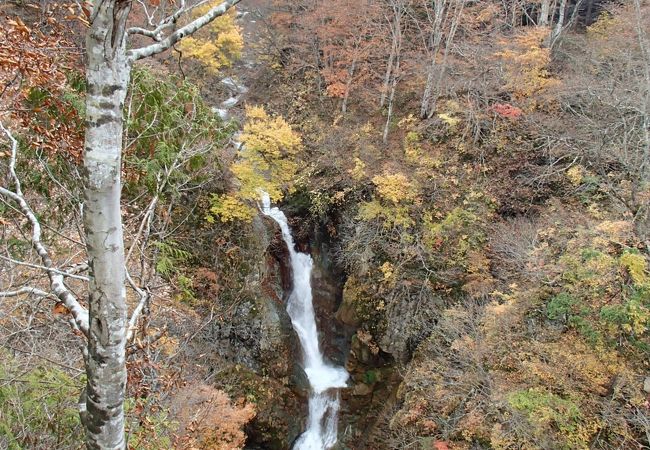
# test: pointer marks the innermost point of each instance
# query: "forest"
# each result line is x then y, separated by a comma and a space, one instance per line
325, 224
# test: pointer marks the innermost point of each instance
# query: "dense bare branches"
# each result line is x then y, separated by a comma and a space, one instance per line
55, 275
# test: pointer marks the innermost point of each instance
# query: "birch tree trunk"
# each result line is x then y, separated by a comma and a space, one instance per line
387, 75
108, 73
391, 98
557, 31
543, 14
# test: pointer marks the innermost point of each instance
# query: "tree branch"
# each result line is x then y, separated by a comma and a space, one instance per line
146, 12
145, 295
56, 277
156, 34
187, 30
153, 34
63, 273
25, 290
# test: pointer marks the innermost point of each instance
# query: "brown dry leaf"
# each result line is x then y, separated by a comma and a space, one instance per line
60, 308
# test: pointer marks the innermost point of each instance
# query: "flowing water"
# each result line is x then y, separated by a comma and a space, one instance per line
324, 379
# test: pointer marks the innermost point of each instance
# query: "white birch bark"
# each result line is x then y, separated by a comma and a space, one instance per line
105, 323
108, 73
387, 76
543, 14
56, 277
557, 30
185, 31
391, 98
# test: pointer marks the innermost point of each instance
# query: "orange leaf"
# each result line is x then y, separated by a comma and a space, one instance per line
60, 308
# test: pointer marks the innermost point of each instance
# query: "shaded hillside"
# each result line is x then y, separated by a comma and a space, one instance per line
471, 179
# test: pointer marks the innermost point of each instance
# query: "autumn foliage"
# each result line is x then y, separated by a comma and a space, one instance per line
267, 161
491, 255
36, 64
216, 46
210, 420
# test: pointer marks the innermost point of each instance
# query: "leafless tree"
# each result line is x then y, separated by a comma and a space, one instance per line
610, 102
444, 19
393, 70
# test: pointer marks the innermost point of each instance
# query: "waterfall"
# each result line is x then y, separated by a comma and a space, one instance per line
324, 379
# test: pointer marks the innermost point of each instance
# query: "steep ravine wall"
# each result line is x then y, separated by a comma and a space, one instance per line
263, 353
373, 379
260, 347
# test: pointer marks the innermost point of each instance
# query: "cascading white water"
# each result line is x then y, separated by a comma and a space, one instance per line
324, 379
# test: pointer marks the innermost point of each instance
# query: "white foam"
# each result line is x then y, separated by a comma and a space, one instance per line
234, 86
229, 102
222, 113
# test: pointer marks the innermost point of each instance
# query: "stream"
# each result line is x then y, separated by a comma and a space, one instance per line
324, 379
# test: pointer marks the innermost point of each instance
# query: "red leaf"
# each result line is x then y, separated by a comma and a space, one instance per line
506, 110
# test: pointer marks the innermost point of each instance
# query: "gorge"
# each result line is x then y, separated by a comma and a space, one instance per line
324, 379
452, 250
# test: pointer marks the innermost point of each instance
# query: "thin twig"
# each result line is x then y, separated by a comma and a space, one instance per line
25, 290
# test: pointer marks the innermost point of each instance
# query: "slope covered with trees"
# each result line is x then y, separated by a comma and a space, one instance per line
471, 178
485, 173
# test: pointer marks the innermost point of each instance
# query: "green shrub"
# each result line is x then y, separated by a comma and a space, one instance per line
38, 408
552, 418
560, 307
147, 428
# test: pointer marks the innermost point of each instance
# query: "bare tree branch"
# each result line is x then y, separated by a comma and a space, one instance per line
25, 290
179, 34
56, 276
38, 266
150, 16
156, 34
145, 220
144, 299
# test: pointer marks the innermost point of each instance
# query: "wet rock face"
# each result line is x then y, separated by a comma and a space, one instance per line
258, 334
258, 341
327, 287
